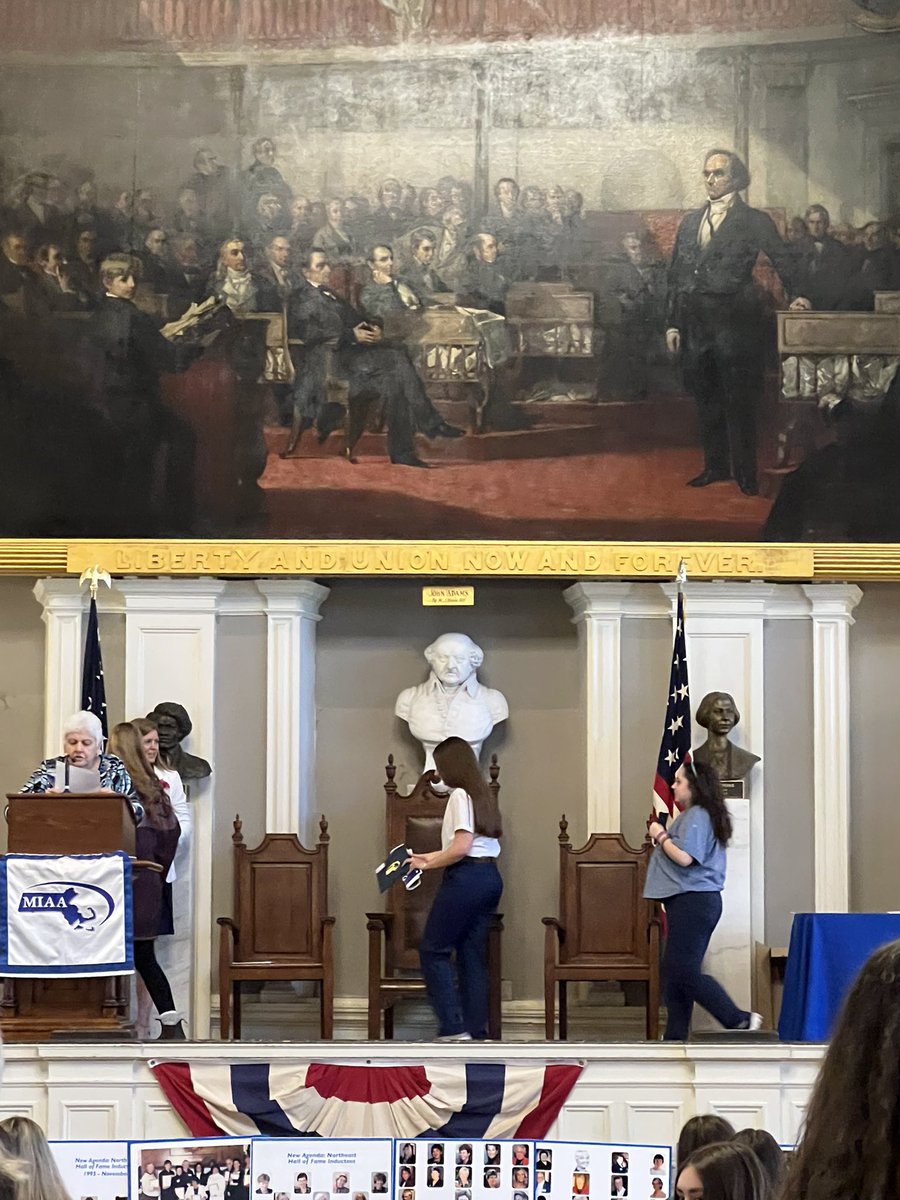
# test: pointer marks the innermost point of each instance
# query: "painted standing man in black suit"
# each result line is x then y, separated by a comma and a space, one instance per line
715, 319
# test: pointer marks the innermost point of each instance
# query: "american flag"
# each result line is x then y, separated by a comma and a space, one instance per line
93, 685
675, 747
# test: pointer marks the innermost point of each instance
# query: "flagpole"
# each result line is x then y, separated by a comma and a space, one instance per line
93, 685
675, 744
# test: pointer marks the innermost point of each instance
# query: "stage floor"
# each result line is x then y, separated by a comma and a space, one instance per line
634, 1092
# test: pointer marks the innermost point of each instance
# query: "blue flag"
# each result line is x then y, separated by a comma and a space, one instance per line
93, 687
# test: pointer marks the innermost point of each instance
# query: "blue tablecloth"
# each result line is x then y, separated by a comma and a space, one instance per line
824, 957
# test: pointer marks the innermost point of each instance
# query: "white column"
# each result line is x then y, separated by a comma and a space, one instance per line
832, 616
598, 610
292, 611
725, 627
170, 643
63, 602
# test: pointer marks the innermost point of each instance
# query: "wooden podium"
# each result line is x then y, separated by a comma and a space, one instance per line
35, 1010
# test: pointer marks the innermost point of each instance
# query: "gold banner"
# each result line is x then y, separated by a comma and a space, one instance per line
631, 560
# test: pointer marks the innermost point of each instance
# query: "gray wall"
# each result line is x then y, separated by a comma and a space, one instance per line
874, 674
370, 644
788, 761
21, 685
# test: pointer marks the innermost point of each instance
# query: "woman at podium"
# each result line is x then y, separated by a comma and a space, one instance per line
82, 750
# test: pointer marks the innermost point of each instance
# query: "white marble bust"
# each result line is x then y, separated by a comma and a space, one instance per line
451, 702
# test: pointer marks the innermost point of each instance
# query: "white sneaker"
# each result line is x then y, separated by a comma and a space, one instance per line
754, 1022
455, 1037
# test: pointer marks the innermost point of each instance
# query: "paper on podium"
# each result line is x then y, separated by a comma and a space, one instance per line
75, 779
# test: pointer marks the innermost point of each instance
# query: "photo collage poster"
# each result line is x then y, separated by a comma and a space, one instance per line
93, 1170
602, 1171
215, 1168
441, 1168
284, 1168
434, 1168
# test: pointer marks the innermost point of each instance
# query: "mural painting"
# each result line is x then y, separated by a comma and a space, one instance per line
452, 269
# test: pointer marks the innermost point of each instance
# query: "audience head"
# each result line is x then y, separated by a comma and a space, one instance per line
278, 251
390, 193
232, 256
431, 203
421, 243
849, 1145
13, 1175
722, 1171
118, 274
767, 1150
700, 1131
485, 247
507, 191
315, 266
50, 258
817, 220
15, 247
23, 1139
86, 246
381, 261
263, 150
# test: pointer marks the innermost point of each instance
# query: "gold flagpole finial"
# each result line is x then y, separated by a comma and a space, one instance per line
95, 577
681, 577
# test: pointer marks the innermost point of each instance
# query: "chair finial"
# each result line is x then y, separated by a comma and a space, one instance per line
390, 770
494, 769
237, 837
324, 835
563, 831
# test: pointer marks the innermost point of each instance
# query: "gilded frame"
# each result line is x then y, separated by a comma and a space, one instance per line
429, 560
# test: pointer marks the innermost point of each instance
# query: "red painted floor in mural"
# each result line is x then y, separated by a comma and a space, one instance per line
556, 480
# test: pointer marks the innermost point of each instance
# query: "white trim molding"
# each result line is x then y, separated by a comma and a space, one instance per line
170, 654
292, 612
63, 603
598, 610
832, 606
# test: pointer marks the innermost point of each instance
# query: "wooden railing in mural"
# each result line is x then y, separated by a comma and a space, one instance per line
45, 25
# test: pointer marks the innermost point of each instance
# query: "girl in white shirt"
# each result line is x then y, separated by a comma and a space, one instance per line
467, 898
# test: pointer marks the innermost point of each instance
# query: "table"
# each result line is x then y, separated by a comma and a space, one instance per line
826, 953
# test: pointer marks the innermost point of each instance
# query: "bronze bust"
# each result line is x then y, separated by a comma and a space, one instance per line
718, 714
173, 725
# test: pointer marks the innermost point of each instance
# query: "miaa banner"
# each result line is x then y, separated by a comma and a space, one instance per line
65, 915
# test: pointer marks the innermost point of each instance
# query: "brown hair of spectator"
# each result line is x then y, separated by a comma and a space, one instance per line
700, 1131
850, 1144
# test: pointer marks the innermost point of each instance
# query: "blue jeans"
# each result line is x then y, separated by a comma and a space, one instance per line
458, 922
692, 917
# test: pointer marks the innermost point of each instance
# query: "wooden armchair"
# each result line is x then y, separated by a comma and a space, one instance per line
606, 930
394, 972
282, 930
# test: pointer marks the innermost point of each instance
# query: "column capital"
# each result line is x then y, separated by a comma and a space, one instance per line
60, 595
834, 600
167, 595
293, 597
597, 598
720, 598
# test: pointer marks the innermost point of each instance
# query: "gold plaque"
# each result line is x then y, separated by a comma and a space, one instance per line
448, 597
